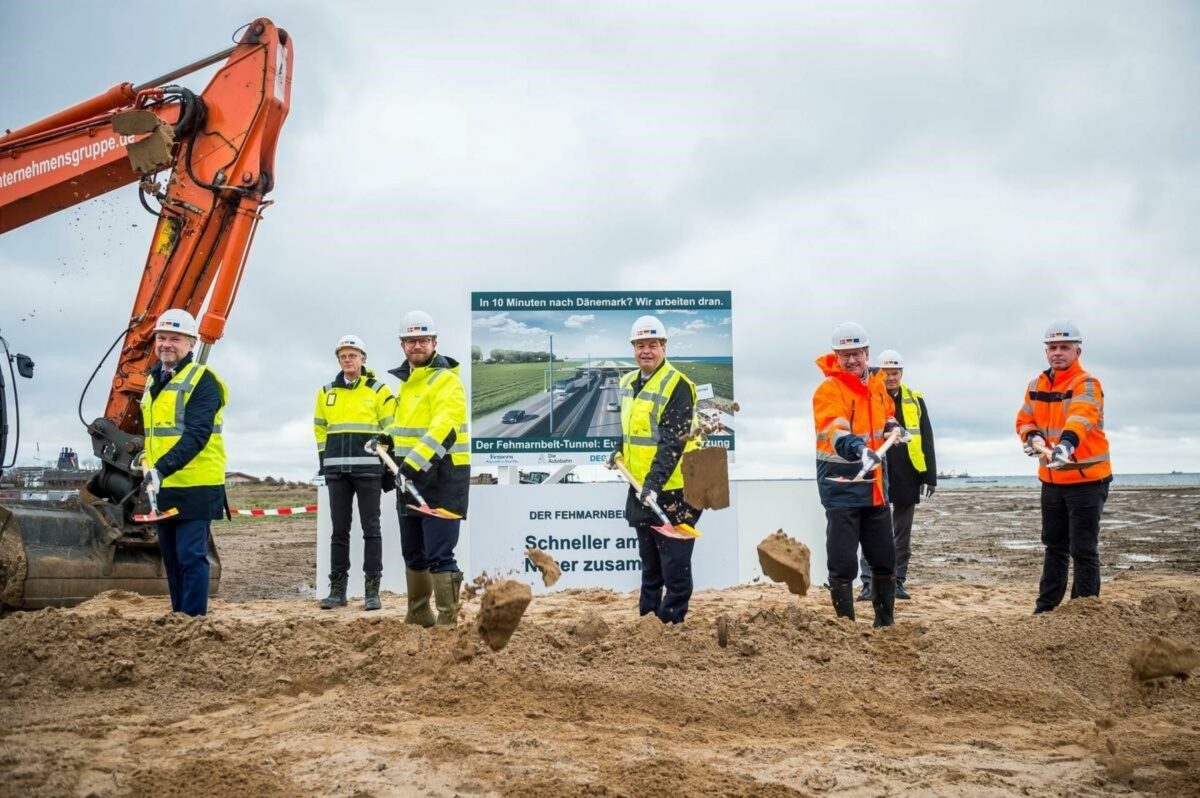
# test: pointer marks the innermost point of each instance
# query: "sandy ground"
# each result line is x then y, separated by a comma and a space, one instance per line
968, 695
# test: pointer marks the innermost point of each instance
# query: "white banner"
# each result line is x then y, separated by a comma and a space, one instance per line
582, 524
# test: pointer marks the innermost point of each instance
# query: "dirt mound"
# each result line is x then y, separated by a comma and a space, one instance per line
500, 611
785, 559
546, 564
1162, 656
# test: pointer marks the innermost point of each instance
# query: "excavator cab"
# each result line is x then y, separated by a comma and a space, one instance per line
203, 164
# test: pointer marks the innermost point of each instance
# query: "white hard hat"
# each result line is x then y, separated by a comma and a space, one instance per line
849, 335
350, 342
890, 359
647, 327
177, 321
1064, 331
417, 324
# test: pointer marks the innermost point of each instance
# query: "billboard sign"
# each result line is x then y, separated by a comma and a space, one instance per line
546, 367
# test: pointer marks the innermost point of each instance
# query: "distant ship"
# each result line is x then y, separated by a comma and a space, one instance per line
953, 475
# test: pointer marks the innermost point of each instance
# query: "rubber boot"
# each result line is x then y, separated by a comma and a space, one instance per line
371, 600
337, 592
901, 593
445, 598
866, 594
884, 601
842, 594
420, 588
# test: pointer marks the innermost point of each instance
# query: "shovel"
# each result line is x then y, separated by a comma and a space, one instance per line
154, 514
862, 475
406, 485
667, 529
1048, 455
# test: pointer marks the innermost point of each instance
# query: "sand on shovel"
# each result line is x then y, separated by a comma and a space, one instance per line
706, 478
546, 564
1161, 656
504, 602
785, 559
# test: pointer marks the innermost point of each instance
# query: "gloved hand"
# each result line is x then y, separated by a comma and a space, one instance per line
408, 471
611, 463
1034, 438
383, 442
890, 425
1061, 455
388, 481
870, 460
647, 495
152, 481
926, 490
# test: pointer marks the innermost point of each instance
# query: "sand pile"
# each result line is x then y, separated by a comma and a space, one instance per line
1157, 656
785, 559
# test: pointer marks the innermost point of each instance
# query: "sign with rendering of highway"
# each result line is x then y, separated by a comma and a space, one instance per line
546, 368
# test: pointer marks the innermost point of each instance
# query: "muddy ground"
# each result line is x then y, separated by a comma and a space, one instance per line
968, 695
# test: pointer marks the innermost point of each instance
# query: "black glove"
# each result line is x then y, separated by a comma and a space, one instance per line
890, 425
388, 481
647, 495
611, 463
408, 472
927, 490
383, 442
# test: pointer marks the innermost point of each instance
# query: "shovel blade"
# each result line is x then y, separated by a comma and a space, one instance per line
845, 479
680, 532
434, 512
150, 518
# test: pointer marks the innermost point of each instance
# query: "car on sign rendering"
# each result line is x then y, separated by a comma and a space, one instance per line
514, 417
612, 407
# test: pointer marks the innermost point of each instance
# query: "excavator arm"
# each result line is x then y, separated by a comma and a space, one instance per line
204, 164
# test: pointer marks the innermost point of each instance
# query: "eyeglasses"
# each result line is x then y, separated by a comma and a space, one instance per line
422, 341
853, 354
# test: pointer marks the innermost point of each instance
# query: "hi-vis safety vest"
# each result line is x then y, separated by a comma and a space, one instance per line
162, 419
640, 417
1073, 402
346, 417
910, 408
430, 404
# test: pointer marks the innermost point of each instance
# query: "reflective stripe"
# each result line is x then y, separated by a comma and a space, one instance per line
351, 461
1027, 409
407, 432
1087, 425
320, 422
462, 428
354, 428
433, 443
830, 457
321, 446
419, 459
638, 440
460, 448
384, 422
1086, 399
399, 454
838, 434
437, 373
1093, 460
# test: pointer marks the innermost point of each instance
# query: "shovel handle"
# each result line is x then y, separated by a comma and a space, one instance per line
637, 486
406, 485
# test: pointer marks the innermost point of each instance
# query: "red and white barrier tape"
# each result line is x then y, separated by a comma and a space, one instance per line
312, 508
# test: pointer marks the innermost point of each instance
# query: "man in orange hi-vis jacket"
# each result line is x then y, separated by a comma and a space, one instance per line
852, 414
1064, 412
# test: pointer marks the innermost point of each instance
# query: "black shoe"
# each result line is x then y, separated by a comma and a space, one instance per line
901, 593
866, 594
371, 600
842, 594
337, 593
884, 601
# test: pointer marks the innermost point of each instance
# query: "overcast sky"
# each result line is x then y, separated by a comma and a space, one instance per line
953, 175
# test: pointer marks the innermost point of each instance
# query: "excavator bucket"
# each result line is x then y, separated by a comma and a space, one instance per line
57, 554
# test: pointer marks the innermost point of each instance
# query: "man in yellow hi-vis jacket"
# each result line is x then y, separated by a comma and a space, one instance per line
351, 410
429, 436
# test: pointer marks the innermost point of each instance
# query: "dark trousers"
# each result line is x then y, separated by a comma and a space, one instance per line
428, 543
666, 575
1070, 531
184, 546
343, 488
848, 527
902, 521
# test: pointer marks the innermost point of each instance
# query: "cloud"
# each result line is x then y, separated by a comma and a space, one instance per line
503, 324
579, 320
